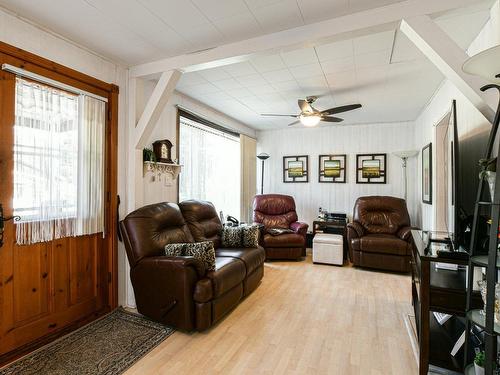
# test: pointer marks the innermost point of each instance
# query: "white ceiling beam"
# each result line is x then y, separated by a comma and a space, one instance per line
298, 37
448, 57
154, 107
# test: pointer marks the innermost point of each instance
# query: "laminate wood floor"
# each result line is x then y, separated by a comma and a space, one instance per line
303, 319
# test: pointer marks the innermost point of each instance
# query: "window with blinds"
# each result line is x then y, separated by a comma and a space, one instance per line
210, 157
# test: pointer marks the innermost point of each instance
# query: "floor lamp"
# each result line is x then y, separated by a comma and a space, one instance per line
263, 157
404, 155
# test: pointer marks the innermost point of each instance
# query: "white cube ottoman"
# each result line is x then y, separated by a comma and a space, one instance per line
328, 248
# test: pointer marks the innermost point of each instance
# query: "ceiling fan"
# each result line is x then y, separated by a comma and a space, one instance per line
310, 116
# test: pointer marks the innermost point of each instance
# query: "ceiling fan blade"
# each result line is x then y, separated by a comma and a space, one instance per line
341, 109
273, 114
294, 123
304, 106
332, 119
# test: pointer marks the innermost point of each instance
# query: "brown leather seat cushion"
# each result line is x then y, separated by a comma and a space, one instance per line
383, 243
228, 273
284, 240
252, 257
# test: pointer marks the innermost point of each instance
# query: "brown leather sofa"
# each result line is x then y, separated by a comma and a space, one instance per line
379, 235
178, 291
278, 211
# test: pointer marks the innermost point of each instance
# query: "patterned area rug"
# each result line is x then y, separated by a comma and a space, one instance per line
106, 347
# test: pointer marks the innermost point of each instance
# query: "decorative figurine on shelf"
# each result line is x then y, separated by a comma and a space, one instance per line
163, 151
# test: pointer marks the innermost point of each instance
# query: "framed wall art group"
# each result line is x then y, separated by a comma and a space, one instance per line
370, 168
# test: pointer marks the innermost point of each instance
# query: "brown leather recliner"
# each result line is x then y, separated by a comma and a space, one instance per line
178, 291
278, 211
379, 235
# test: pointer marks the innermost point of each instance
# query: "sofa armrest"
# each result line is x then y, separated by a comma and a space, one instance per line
355, 230
404, 233
299, 228
164, 287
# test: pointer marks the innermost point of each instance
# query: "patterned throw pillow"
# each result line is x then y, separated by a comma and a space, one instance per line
203, 251
231, 236
174, 249
250, 236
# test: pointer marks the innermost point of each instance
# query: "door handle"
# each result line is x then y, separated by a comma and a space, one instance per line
2, 220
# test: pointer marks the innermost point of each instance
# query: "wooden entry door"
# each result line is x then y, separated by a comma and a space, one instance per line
45, 287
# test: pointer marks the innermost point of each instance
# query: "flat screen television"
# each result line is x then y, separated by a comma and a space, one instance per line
465, 147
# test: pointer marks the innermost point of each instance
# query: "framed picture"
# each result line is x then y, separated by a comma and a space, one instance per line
332, 168
296, 168
371, 168
427, 174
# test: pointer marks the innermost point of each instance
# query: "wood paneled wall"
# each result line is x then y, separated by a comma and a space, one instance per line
337, 139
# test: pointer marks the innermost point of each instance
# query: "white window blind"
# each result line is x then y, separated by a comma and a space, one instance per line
211, 166
59, 147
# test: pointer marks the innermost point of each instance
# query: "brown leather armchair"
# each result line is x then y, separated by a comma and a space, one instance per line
179, 291
278, 211
379, 235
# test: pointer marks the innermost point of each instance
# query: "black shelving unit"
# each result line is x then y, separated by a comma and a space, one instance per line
490, 260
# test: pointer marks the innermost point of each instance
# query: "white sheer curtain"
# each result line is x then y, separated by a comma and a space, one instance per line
58, 163
211, 166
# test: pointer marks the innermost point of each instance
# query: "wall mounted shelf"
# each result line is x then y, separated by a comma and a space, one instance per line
162, 171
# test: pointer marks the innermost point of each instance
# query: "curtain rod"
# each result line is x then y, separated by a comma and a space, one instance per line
223, 128
36, 77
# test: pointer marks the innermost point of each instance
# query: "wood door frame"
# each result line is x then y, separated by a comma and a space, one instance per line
50, 69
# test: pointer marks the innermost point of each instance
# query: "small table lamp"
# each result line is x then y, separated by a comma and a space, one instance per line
262, 156
404, 155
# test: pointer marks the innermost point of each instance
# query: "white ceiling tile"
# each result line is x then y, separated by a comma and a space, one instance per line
251, 80
318, 10
240, 69
228, 84
268, 63
373, 42
338, 65
372, 59
286, 86
215, 74
218, 96
255, 4
345, 98
357, 5
262, 89
189, 79
216, 9
308, 70
278, 16
238, 27
341, 80
186, 14
239, 93
316, 86
202, 88
299, 57
282, 75
202, 37
454, 26
138, 19
336, 50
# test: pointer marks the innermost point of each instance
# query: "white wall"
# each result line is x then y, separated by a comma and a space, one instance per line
337, 139
156, 191
469, 119
22, 34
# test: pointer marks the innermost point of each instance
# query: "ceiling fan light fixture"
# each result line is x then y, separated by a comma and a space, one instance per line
309, 120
